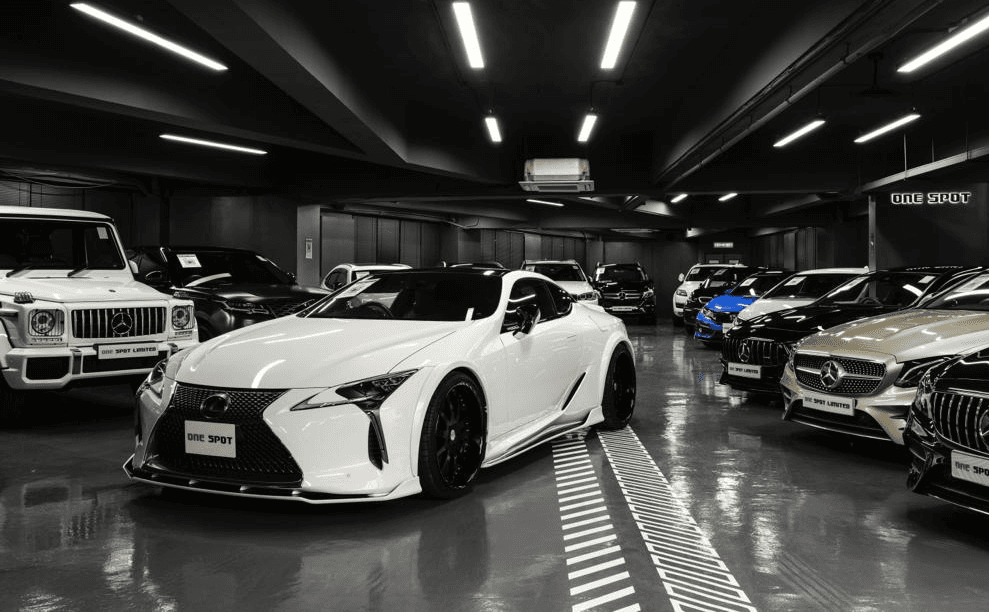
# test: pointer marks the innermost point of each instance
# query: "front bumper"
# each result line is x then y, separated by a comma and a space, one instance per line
879, 416
768, 381
707, 330
678, 304
930, 471
627, 308
58, 367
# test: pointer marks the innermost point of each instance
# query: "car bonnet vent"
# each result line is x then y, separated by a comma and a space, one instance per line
559, 175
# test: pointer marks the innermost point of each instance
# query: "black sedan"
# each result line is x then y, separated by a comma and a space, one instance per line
231, 288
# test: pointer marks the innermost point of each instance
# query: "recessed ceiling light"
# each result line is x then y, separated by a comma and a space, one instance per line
888, 127
545, 202
679, 198
727, 197
585, 130
948, 44
468, 33
147, 35
807, 129
619, 28
215, 145
493, 131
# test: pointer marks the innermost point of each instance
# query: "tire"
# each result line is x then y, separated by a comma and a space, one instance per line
12, 405
451, 445
618, 397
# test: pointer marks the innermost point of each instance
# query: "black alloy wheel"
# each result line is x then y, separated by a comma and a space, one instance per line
618, 399
451, 446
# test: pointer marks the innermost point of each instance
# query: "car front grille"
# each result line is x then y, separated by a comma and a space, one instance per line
284, 308
862, 376
630, 296
957, 417
720, 317
261, 457
131, 322
762, 352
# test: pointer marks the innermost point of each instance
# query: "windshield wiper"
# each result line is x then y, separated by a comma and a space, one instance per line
77, 271
24, 267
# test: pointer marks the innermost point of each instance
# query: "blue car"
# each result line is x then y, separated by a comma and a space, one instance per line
722, 310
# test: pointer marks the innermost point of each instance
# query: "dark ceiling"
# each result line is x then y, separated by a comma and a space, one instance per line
372, 104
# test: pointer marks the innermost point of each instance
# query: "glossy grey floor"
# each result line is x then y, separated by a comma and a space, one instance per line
741, 511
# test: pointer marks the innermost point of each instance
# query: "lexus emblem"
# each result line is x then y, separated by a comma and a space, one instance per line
745, 352
984, 427
121, 323
215, 406
831, 374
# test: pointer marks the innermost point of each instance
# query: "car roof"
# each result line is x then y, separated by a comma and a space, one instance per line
861, 270
549, 261
930, 269
64, 213
469, 270
372, 266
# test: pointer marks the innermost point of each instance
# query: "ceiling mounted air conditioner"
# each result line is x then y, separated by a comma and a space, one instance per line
557, 175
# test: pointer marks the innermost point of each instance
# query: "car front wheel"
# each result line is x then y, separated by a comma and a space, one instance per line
618, 399
451, 446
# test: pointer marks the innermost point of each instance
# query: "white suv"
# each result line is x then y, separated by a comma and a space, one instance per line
568, 274
70, 308
690, 281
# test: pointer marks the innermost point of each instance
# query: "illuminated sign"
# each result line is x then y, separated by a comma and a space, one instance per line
724, 245
933, 198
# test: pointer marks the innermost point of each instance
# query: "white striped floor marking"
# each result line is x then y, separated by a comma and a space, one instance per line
595, 564
694, 576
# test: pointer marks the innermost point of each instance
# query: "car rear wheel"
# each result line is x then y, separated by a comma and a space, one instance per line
618, 399
12, 405
451, 446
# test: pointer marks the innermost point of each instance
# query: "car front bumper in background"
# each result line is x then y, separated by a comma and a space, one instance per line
930, 471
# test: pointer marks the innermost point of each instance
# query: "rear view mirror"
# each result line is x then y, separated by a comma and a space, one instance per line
681, 277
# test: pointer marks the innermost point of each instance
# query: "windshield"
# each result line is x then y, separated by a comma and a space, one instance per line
58, 244
698, 274
619, 273
195, 268
889, 289
755, 286
725, 277
808, 286
969, 295
418, 296
558, 271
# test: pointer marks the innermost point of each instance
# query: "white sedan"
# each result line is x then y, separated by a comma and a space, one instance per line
398, 384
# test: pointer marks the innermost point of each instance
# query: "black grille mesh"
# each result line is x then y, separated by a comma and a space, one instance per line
857, 367
261, 457
47, 368
761, 351
98, 322
957, 416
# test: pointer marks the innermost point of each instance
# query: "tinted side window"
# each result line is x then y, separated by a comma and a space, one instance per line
529, 289
562, 300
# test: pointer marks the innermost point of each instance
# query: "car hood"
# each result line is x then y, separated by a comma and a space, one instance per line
575, 287
253, 292
729, 303
295, 352
910, 334
80, 289
767, 305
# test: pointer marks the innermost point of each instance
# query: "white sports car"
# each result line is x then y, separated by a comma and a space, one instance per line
407, 382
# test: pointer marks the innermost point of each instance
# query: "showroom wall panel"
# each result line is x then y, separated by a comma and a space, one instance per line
346, 238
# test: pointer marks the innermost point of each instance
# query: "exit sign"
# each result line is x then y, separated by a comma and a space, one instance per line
724, 245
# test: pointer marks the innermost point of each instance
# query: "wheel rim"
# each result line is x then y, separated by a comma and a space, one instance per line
623, 388
458, 437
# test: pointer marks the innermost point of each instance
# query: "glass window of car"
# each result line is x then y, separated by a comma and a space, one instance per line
889, 289
51, 244
335, 279
619, 273
725, 277
756, 285
972, 294
526, 289
558, 271
226, 267
562, 300
807, 286
699, 273
420, 296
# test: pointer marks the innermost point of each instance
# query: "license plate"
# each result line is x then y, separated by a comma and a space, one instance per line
830, 403
972, 469
623, 308
744, 370
123, 351
216, 439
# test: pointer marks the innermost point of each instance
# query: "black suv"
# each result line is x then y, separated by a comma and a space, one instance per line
626, 290
755, 352
231, 288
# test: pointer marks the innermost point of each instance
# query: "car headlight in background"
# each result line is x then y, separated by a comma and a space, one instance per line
704, 300
913, 370
648, 293
589, 295
244, 307
181, 317
682, 292
155, 382
707, 312
367, 394
47, 323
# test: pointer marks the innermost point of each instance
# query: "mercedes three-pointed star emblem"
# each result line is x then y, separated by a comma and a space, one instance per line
745, 351
984, 427
831, 374
121, 323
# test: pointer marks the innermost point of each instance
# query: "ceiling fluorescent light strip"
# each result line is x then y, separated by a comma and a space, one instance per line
887, 128
679, 198
468, 33
215, 145
727, 197
807, 129
950, 43
619, 29
585, 130
493, 130
147, 35
545, 202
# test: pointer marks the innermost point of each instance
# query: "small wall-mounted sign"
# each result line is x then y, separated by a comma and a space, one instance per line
931, 198
308, 248
724, 245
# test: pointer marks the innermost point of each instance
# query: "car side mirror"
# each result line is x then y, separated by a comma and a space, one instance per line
528, 317
292, 276
681, 277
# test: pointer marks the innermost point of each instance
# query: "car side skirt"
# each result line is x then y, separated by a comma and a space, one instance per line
551, 431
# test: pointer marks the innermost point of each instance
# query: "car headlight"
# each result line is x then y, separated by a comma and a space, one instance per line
155, 382
704, 300
244, 307
792, 356
922, 405
588, 295
181, 317
367, 394
707, 312
648, 293
914, 369
47, 323
682, 292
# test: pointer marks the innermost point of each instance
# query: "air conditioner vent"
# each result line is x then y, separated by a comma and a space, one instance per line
559, 175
